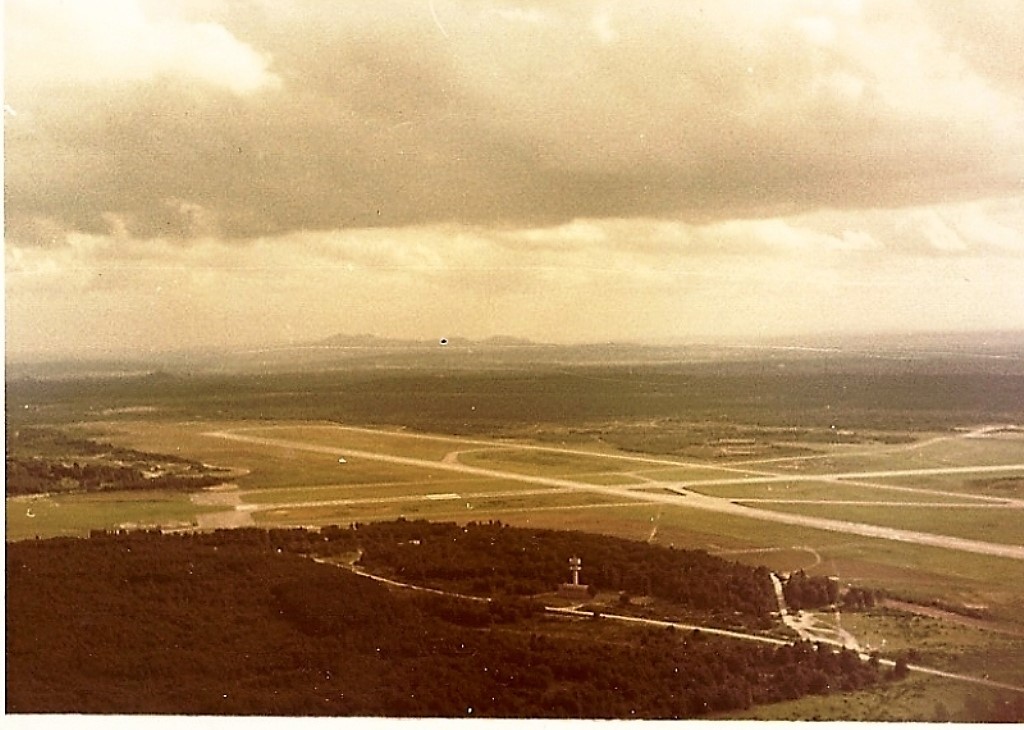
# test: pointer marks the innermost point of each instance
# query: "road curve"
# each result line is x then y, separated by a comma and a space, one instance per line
743, 636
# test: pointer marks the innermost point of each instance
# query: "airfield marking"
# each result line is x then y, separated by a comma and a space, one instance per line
766, 476
681, 497
260, 507
499, 445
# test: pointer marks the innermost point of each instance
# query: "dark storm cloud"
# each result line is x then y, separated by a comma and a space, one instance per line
335, 115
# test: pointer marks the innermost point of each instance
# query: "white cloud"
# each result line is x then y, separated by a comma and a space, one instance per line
70, 42
602, 28
955, 266
531, 16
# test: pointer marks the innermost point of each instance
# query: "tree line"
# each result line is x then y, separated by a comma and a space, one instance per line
43, 460
241, 622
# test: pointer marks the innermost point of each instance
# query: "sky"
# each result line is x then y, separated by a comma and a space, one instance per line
246, 173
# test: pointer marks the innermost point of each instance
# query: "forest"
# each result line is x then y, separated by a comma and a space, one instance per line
46, 460
243, 622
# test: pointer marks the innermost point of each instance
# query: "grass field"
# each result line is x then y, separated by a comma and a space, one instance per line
423, 489
830, 491
76, 514
1005, 485
947, 450
419, 446
446, 508
524, 461
994, 524
916, 699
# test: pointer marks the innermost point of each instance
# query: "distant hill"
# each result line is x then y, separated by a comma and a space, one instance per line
363, 341
372, 341
1003, 351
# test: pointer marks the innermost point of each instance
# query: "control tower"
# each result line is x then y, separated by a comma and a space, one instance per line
575, 589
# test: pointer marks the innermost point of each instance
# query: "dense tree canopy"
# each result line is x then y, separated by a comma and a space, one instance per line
241, 622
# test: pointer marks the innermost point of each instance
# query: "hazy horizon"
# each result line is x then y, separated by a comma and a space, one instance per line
250, 173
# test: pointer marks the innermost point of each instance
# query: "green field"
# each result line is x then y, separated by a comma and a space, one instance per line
419, 446
949, 450
76, 514
529, 461
477, 508
993, 485
384, 489
993, 524
818, 491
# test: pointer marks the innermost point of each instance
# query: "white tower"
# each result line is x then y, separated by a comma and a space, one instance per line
575, 566
574, 590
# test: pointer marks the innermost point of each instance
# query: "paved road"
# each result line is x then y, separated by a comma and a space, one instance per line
742, 636
679, 496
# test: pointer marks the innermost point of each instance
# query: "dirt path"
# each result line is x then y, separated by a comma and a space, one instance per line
757, 551
679, 496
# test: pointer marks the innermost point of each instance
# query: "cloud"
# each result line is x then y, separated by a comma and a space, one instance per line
54, 43
194, 172
517, 114
938, 267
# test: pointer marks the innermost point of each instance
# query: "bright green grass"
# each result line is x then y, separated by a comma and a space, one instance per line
76, 514
989, 524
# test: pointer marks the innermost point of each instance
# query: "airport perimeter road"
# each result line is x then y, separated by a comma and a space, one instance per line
679, 497
658, 623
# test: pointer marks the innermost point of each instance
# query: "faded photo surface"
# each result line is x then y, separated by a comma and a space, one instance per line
484, 358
